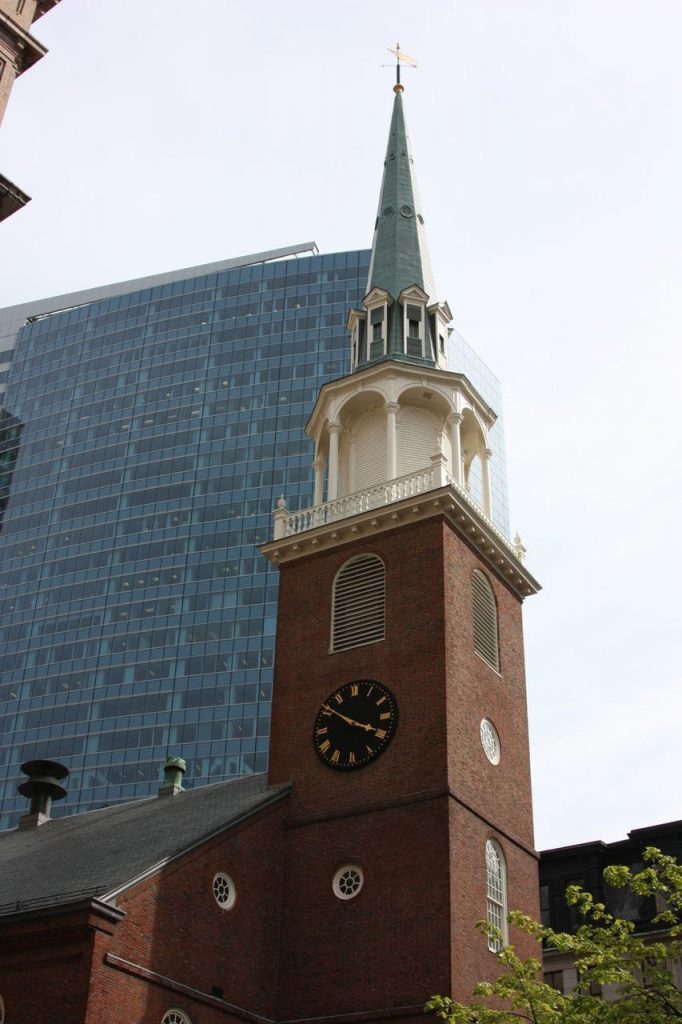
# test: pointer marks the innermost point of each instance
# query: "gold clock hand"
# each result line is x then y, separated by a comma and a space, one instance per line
350, 721
333, 711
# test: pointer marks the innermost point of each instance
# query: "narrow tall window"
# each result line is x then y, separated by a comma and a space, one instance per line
496, 888
362, 341
377, 335
486, 638
413, 330
359, 603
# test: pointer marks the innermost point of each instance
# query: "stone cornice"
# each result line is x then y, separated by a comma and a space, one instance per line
30, 49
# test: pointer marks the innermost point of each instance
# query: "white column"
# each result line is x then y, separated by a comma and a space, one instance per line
485, 455
391, 408
318, 466
333, 472
454, 421
439, 477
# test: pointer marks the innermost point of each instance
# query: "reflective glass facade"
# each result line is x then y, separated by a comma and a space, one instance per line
152, 434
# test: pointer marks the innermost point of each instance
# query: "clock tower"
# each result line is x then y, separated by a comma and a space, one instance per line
399, 713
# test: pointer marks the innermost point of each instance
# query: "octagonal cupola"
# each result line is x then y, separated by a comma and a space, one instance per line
388, 422
401, 317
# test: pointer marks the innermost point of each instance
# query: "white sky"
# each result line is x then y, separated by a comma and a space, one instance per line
162, 134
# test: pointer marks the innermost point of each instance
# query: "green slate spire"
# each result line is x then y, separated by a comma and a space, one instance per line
401, 317
400, 256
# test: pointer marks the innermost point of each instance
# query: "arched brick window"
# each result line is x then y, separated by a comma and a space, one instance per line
358, 603
496, 890
486, 635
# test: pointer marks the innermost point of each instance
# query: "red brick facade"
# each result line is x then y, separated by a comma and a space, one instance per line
416, 821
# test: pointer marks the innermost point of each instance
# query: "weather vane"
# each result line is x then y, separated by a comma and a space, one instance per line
409, 62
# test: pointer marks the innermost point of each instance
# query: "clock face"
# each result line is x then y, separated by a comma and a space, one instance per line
355, 724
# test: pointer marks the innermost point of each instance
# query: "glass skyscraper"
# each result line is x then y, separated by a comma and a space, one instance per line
147, 430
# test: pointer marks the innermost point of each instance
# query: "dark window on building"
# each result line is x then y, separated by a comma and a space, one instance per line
376, 347
413, 340
414, 321
574, 916
555, 979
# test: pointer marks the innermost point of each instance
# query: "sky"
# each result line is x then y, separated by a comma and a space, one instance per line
547, 145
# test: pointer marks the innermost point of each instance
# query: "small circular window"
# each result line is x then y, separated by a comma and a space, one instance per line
347, 881
490, 741
175, 1016
224, 891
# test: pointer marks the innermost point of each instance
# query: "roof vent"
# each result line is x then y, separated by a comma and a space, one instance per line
42, 787
173, 770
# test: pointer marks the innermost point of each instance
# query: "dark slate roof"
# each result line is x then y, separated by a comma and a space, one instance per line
96, 853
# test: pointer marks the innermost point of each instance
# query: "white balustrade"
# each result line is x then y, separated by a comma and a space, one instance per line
288, 524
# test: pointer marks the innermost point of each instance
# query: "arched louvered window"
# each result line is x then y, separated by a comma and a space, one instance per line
486, 638
496, 890
359, 603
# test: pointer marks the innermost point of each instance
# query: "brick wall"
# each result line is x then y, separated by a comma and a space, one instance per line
432, 793
45, 966
175, 928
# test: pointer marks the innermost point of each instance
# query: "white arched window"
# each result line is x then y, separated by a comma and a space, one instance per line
496, 890
175, 1016
486, 637
359, 603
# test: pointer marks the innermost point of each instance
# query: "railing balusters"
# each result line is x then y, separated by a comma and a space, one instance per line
407, 486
